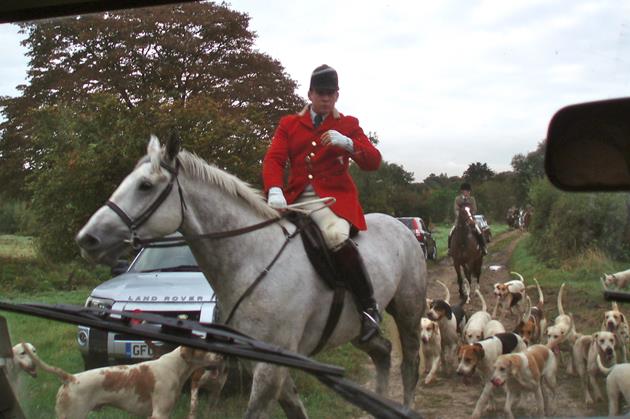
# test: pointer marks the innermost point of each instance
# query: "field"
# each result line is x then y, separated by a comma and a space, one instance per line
56, 342
446, 397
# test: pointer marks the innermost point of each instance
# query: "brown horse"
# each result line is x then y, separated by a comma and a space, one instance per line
465, 252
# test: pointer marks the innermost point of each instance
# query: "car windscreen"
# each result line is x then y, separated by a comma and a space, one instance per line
165, 259
407, 221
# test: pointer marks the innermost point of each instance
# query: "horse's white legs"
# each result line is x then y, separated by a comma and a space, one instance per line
379, 349
266, 386
407, 309
290, 400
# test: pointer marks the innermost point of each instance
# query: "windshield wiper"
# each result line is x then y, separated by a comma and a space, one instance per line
221, 339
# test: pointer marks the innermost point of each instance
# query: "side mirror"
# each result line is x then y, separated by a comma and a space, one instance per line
588, 147
122, 265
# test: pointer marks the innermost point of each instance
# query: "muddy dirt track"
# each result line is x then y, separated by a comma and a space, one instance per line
448, 396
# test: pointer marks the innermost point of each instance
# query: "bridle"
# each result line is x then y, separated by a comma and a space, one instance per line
135, 224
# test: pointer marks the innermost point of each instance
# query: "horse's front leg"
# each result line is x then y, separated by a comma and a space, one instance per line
266, 386
468, 284
462, 295
290, 400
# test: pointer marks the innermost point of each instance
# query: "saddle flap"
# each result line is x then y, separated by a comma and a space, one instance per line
316, 249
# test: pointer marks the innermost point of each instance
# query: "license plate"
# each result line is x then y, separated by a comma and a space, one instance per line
138, 350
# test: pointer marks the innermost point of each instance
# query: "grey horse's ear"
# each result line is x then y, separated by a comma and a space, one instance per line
173, 145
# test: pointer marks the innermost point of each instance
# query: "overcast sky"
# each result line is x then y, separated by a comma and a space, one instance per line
442, 83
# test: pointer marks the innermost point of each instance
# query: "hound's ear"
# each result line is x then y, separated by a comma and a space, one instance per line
173, 146
623, 318
514, 367
449, 312
595, 335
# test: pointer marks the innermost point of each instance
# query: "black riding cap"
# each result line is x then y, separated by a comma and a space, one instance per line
324, 77
465, 187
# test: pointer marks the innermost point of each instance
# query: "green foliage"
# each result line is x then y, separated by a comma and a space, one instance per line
9, 216
100, 84
495, 196
440, 204
568, 224
478, 172
387, 190
527, 169
23, 269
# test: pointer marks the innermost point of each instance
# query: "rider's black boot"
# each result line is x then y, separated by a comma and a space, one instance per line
482, 243
448, 246
350, 265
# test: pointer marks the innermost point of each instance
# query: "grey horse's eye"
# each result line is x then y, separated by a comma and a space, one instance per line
145, 185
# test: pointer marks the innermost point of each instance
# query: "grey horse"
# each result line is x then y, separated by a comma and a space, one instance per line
173, 190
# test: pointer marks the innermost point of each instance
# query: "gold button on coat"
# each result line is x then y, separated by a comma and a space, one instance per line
310, 176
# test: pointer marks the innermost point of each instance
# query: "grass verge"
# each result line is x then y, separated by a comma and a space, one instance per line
24, 277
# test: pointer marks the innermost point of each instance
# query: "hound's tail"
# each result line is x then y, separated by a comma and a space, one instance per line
484, 307
528, 312
541, 297
448, 293
602, 368
560, 308
519, 276
63, 376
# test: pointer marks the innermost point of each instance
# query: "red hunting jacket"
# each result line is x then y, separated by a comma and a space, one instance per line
326, 168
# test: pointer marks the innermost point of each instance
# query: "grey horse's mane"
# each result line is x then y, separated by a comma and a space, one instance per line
197, 168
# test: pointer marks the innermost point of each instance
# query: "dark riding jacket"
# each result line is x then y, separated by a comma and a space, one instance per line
461, 200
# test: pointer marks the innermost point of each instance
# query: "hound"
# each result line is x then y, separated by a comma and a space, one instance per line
508, 295
585, 352
492, 328
213, 379
527, 371
481, 356
473, 331
431, 344
617, 382
562, 335
20, 361
150, 388
620, 279
533, 323
615, 322
450, 319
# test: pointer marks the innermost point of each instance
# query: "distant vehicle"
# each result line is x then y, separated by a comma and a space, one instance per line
484, 227
164, 281
423, 234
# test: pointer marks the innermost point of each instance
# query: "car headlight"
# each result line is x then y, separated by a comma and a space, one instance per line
95, 302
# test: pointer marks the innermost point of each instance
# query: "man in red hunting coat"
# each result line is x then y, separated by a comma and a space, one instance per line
318, 143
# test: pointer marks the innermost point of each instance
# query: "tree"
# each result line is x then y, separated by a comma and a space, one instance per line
154, 60
100, 84
528, 169
478, 173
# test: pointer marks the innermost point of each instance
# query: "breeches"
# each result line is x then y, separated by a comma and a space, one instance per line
335, 229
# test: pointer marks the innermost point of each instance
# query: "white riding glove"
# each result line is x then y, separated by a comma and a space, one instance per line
338, 139
275, 198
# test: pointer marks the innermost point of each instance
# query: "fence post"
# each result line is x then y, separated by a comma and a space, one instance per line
9, 406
